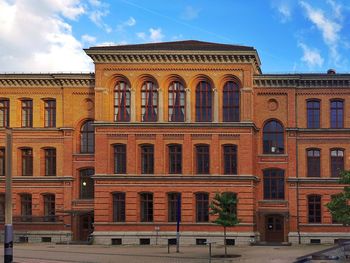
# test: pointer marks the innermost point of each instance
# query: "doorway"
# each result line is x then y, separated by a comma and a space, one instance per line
86, 226
274, 228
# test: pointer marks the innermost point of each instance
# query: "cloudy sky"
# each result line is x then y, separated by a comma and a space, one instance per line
290, 35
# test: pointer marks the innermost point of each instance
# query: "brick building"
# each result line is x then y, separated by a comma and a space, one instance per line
109, 154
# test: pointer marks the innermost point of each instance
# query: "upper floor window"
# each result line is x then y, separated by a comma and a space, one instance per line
26, 207
86, 184
50, 161
230, 159
273, 138
119, 207
337, 162
176, 102
49, 207
50, 113
27, 161
204, 102
175, 159
147, 159
337, 114
27, 113
313, 163
121, 101
2, 207
202, 207
2, 162
174, 203
119, 158
231, 102
87, 137
146, 203
149, 101
314, 208
202, 159
273, 184
4, 113
313, 114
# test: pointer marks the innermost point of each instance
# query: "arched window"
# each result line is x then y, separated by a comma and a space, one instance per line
49, 207
176, 103
313, 113
230, 159
119, 207
231, 102
27, 161
50, 161
147, 159
119, 158
174, 201
27, 113
86, 184
146, 204
26, 207
149, 102
337, 162
313, 163
4, 113
202, 207
87, 137
337, 114
202, 159
175, 158
50, 113
204, 102
314, 208
121, 102
273, 140
273, 184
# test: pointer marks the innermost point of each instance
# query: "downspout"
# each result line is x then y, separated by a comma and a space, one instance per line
297, 167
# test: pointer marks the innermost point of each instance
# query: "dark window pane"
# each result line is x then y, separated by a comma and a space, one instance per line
120, 159
337, 109
202, 159
49, 207
313, 163
26, 207
314, 207
27, 162
146, 207
119, 207
313, 114
86, 184
231, 102
50, 113
337, 162
87, 137
273, 138
2, 207
175, 159
230, 159
273, 184
173, 206
149, 102
202, 207
176, 103
122, 98
50, 162
27, 113
203, 102
4, 113
2, 162
147, 159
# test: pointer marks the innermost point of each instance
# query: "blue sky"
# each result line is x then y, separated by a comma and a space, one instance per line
290, 35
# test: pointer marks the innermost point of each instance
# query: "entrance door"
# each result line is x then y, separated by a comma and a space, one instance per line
85, 226
274, 228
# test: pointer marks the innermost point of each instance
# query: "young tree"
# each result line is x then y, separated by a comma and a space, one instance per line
340, 204
224, 206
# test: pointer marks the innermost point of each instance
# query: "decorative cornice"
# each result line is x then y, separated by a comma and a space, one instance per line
47, 80
175, 57
302, 81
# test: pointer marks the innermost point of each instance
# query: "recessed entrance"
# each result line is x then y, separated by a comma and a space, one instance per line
274, 228
85, 226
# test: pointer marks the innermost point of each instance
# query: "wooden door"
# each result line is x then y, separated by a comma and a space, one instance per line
274, 228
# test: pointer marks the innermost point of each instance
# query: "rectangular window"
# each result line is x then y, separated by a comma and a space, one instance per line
174, 203
202, 207
313, 114
274, 184
337, 114
2, 207
26, 207
147, 159
4, 113
50, 113
230, 159
202, 160
314, 205
175, 159
27, 162
313, 163
50, 162
337, 162
27, 113
2, 162
146, 205
119, 207
49, 208
120, 159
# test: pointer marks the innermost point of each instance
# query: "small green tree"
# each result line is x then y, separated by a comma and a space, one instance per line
339, 206
224, 206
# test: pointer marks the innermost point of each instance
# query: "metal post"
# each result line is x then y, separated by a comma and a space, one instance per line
8, 242
209, 252
178, 223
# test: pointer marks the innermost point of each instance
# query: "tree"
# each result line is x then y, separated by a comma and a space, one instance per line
339, 207
224, 206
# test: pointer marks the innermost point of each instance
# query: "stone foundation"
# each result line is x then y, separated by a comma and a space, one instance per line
39, 236
317, 238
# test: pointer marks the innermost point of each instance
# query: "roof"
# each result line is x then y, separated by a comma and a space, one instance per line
187, 45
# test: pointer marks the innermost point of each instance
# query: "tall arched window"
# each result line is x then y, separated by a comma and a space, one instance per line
273, 141
313, 113
121, 101
204, 101
176, 103
337, 114
231, 102
86, 184
149, 101
87, 137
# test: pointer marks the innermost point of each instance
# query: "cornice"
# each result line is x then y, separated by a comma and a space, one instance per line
47, 179
175, 57
47, 80
313, 180
304, 81
320, 130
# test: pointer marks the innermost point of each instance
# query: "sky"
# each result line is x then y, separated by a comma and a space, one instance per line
291, 36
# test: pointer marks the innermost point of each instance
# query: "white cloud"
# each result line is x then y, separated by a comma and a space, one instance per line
284, 9
128, 23
311, 57
190, 13
35, 37
88, 39
97, 13
155, 35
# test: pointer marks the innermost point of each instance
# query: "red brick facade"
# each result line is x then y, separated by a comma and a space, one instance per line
269, 209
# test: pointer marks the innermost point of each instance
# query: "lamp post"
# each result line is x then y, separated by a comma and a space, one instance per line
8, 243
